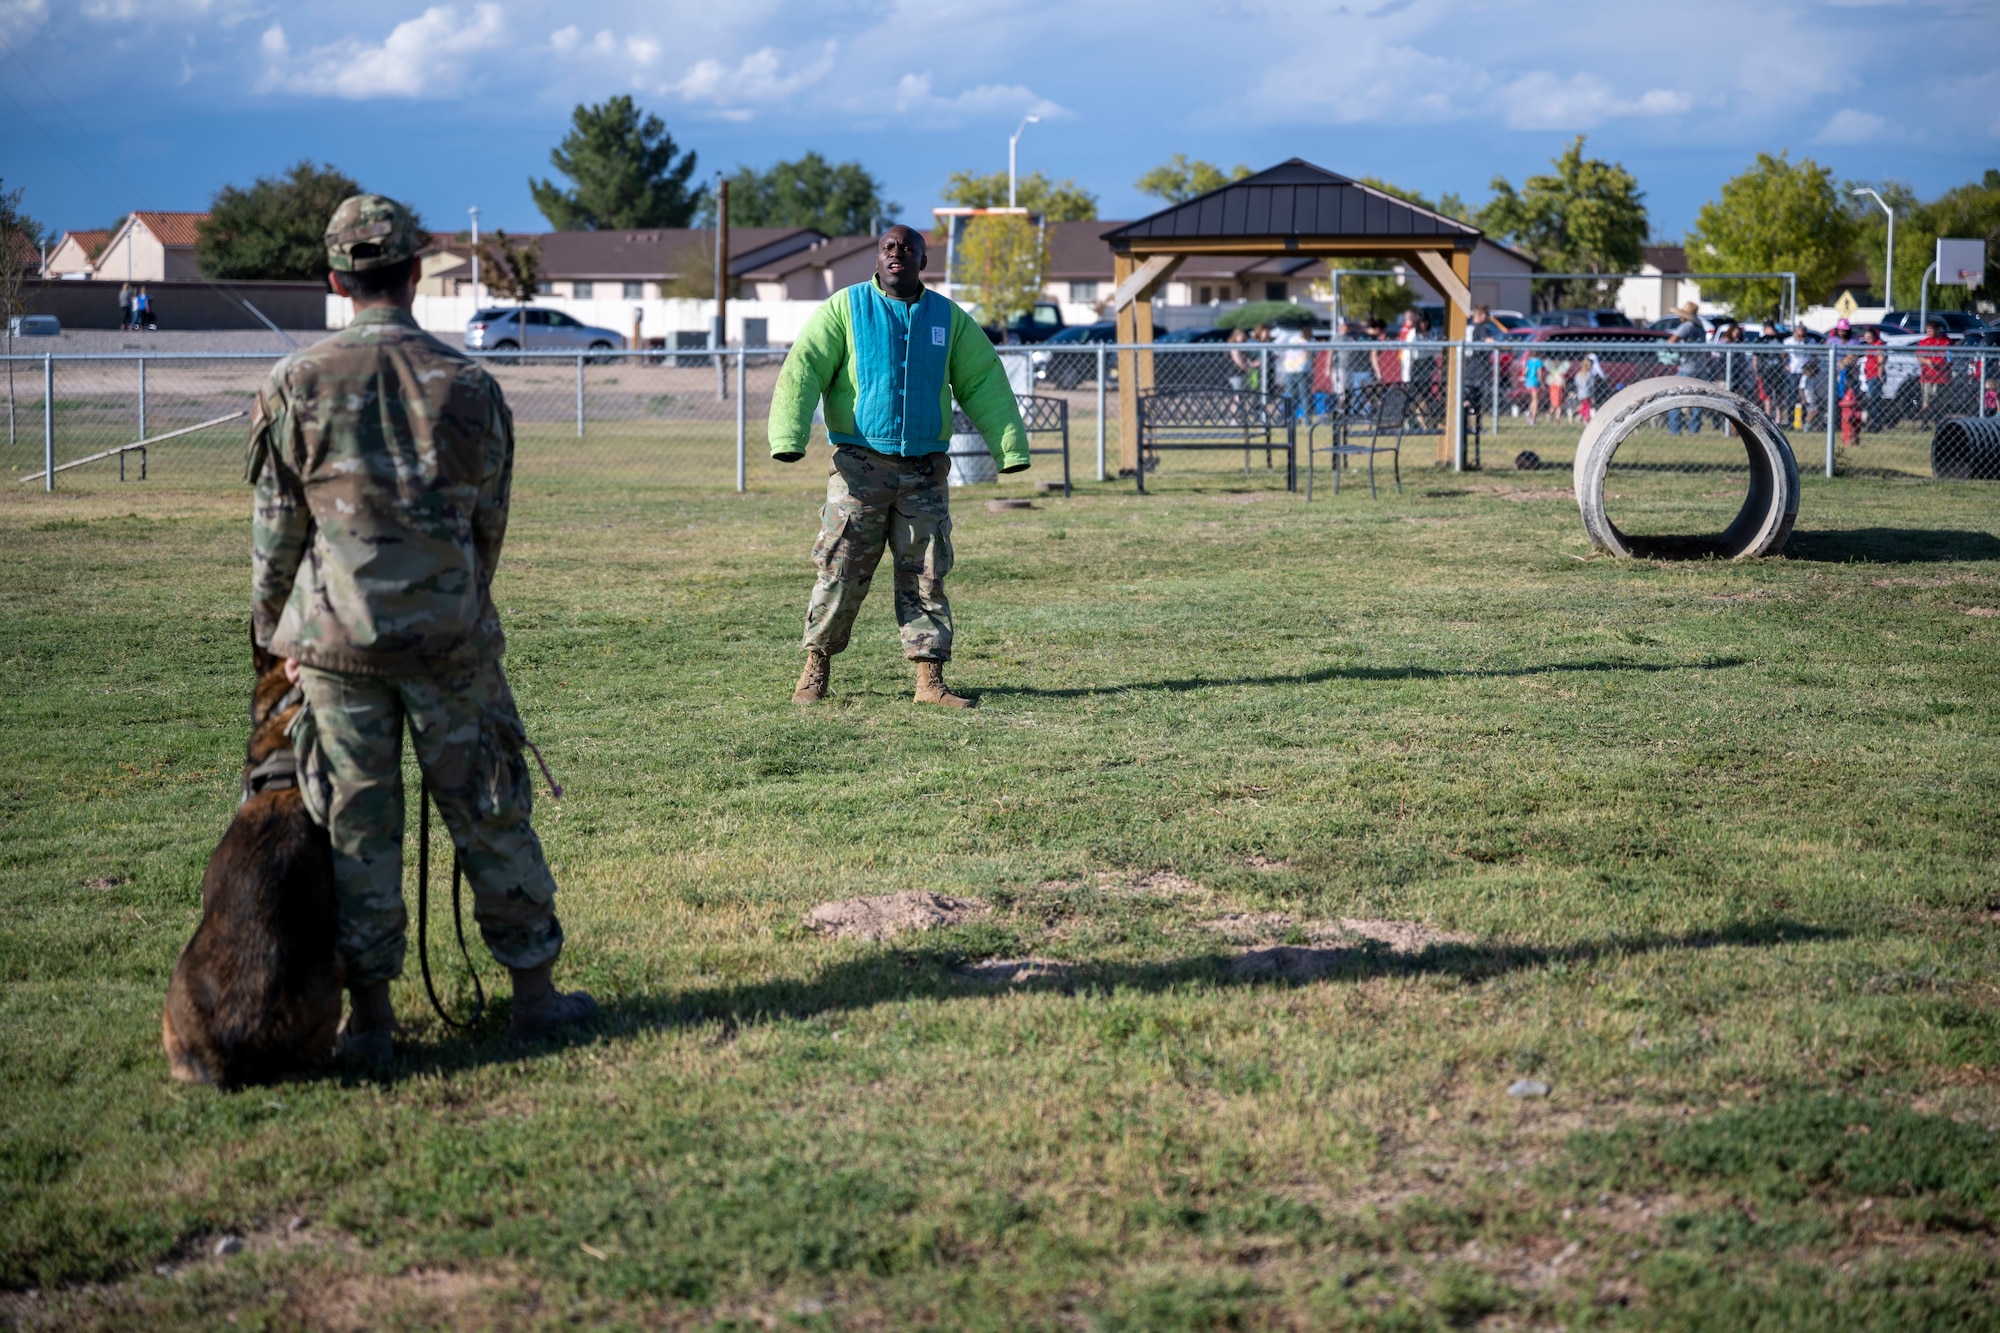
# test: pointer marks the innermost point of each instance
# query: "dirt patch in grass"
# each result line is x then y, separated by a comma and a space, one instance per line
891, 915
1401, 937
1982, 610
1261, 862
1014, 971
1249, 925
106, 881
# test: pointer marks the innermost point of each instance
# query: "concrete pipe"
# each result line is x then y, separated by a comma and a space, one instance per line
1769, 510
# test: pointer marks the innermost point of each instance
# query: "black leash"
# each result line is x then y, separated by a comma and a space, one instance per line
424, 914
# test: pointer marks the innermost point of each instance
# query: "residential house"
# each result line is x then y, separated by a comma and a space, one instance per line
621, 265
75, 255
151, 247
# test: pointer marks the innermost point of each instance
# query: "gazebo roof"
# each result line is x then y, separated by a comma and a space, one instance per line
1292, 205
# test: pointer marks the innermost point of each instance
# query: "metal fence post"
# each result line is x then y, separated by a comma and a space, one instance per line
579, 395
1493, 359
742, 438
48, 422
1457, 407
1982, 386
1100, 411
142, 422
1264, 369
1832, 401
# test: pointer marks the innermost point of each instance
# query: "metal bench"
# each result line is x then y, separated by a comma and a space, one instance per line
1217, 419
1041, 415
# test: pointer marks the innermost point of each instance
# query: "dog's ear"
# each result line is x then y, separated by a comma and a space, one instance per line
261, 659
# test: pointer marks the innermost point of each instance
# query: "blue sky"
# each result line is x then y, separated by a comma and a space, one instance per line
156, 103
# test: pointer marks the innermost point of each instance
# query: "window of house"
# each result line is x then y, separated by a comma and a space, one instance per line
1083, 293
582, 291
1275, 291
545, 289
635, 291
1206, 295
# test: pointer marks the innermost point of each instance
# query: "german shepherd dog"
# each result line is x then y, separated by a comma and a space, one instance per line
256, 993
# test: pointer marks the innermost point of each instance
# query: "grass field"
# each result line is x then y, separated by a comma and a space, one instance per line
1709, 850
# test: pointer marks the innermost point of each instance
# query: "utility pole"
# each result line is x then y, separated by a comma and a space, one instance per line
1889, 258
718, 335
475, 256
1012, 143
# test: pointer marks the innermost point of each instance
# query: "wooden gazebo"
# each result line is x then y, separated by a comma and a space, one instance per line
1295, 210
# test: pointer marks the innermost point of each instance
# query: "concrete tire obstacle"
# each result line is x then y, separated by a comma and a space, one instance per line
1769, 510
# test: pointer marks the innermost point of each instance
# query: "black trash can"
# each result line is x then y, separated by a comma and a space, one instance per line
1966, 449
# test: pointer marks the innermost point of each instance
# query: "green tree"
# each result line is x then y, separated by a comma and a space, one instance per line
1971, 211
276, 229
839, 198
624, 168
1779, 216
1000, 259
1057, 201
1179, 179
1588, 216
513, 269
20, 255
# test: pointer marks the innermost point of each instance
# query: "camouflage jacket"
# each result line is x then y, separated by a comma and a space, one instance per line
383, 462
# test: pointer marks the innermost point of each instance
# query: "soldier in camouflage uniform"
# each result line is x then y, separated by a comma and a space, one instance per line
382, 461
889, 357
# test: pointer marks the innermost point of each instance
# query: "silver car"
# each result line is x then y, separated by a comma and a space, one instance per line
535, 329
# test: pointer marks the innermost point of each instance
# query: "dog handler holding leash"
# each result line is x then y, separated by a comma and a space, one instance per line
383, 462
888, 356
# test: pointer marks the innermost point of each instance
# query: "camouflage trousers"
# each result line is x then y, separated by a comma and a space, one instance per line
872, 501
468, 740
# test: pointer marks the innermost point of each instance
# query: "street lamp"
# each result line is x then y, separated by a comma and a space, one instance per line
475, 256
1889, 259
1012, 142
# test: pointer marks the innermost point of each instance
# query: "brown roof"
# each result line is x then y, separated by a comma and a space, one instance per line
175, 229
658, 252
91, 242
819, 254
1667, 258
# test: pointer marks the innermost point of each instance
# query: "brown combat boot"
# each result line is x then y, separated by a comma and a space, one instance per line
812, 681
367, 1035
540, 1009
931, 688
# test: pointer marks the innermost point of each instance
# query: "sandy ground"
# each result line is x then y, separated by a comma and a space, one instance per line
83, 342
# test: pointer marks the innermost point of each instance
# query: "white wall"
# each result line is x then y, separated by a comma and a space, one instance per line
447, 316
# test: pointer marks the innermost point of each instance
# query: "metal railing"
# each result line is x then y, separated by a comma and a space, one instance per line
685, 417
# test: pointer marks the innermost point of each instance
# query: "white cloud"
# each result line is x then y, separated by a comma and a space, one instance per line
760, 78
425, 56
273, 43
1849, 126
565, 39
642, 49
914, 95
18, 18
1541, 101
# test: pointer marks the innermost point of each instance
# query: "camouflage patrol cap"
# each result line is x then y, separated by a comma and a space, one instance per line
371, 231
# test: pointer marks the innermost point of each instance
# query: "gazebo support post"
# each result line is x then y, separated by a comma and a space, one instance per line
1136, 281
1453, 280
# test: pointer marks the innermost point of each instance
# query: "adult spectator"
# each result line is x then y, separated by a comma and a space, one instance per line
1294, 367
124, 305
1420, 367
1693, 365
1479, 360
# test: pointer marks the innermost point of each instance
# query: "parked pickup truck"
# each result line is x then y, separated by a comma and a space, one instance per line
1039, 325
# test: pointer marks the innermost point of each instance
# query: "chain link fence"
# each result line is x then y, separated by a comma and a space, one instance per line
695, 419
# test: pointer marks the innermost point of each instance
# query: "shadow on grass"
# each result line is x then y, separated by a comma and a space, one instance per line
1892, 546
932, 971
1359, 673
